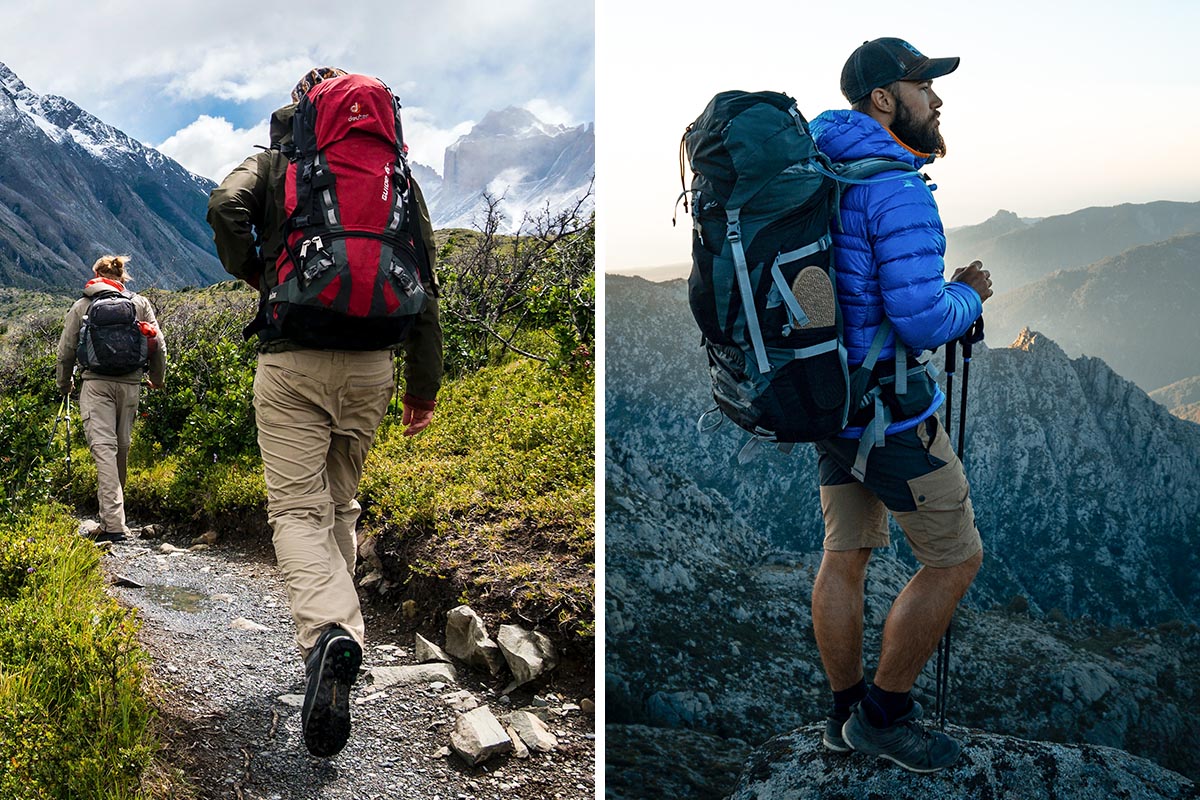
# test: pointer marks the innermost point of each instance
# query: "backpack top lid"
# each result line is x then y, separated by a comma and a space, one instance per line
744, 142
351, 104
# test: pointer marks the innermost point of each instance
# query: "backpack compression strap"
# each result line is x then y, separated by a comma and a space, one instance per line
873, 435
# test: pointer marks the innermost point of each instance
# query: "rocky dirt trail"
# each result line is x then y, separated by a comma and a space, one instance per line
216, 625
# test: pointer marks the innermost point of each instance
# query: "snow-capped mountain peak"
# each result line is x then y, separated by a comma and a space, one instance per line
511, 154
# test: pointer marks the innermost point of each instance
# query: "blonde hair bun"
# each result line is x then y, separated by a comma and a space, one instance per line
112, 267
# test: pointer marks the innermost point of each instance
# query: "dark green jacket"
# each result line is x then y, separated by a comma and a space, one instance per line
247, 213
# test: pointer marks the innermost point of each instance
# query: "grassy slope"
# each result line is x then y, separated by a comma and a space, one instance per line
494, 505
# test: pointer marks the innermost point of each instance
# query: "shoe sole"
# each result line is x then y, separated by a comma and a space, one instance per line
328, 725
835, 747
814, 293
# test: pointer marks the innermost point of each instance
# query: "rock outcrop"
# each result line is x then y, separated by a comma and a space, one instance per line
795, 766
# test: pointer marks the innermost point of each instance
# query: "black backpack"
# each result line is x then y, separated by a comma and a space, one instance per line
110, 340
762, 199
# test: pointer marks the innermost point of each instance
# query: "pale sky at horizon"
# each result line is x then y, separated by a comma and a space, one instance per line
1054, 108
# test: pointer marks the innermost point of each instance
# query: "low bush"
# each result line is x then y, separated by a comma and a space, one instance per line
73, 716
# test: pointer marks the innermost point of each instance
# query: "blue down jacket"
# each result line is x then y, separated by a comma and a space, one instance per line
888, 251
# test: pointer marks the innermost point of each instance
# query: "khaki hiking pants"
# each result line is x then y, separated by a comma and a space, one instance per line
317, 413
108, 409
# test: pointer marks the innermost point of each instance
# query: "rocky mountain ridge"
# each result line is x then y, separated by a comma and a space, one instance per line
73, 187
1087, 500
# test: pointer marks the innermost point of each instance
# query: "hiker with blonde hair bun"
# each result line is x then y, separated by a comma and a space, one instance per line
113, 334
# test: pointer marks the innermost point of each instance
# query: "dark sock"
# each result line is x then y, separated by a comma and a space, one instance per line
884, 708
842, 700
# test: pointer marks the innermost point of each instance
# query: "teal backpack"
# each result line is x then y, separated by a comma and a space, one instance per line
762, 199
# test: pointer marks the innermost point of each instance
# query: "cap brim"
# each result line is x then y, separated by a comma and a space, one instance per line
933, 68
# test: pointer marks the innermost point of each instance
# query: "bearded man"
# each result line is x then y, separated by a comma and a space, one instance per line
895, 456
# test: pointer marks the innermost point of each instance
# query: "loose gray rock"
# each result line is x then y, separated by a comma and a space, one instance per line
528, 653
466, 638
208, 537
426, 651
417, 673
243, 624
460, 701
533, 731
519, 748
478, 736
796, 765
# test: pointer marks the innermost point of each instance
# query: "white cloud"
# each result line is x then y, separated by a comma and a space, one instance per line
459, 58
549, 112
228, 74
427, 141
212, 147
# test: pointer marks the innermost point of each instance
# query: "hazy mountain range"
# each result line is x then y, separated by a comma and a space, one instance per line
1021, 251
1080, 627
73, 187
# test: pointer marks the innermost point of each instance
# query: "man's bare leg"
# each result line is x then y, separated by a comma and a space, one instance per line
918, 619
837, 611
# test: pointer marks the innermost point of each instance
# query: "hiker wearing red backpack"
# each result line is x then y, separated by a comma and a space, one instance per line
113, 334
329, 225
888, 258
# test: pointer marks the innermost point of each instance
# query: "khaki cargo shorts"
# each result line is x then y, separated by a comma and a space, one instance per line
916, 476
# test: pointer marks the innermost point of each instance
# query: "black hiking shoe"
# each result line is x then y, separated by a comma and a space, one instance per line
331, 668
905, 742
101, 536
832, 737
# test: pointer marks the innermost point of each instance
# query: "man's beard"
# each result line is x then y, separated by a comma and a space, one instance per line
923, 139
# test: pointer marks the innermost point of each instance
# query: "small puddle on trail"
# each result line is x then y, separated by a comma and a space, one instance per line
176, 597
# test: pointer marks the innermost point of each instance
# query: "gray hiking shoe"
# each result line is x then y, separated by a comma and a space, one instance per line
832, 737
906, 742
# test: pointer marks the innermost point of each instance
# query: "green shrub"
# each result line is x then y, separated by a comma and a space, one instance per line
73, 718
498, 492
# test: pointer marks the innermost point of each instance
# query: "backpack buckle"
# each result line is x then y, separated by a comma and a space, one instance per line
404, 279
319, 265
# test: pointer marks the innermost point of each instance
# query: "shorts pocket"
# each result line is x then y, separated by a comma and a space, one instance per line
943, 505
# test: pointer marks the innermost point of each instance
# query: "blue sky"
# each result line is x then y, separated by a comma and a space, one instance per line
1055, 107
199, 79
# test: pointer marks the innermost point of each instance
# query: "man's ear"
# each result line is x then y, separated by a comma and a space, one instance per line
883, 100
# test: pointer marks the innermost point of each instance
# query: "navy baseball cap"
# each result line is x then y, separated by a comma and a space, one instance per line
882, 61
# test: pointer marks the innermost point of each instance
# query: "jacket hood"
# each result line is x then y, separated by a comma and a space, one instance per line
97, 285
281, 124
846, 135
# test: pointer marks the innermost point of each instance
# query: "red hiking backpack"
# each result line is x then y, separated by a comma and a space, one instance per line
349, 276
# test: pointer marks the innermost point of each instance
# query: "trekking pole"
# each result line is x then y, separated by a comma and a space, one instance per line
974, 334
67, 400
942, 665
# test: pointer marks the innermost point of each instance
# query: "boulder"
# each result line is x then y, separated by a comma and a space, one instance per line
426, 651
466, 638
416, 673
478, 735
533, 731
796, 765
527, 653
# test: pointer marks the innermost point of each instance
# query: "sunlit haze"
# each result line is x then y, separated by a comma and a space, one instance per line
1055, 106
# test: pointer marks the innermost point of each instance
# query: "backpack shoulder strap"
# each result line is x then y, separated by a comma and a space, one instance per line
863, 168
